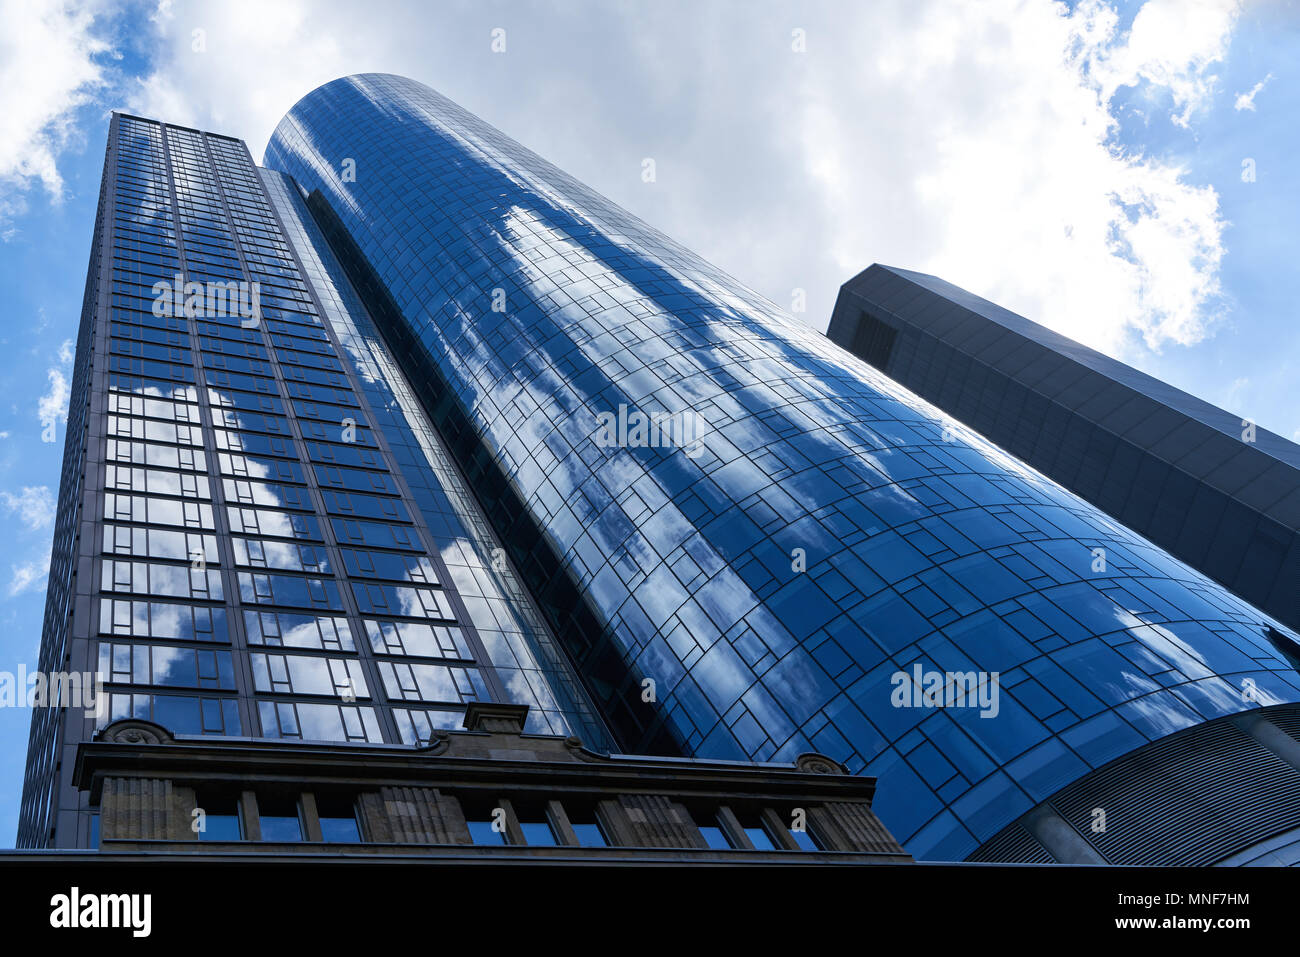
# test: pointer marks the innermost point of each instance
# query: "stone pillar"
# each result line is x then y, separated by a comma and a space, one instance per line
616, 823
310, 817
408, 815
251, 815
779, 829
559, 821
374, 821
145, 809
658, 821
846, 826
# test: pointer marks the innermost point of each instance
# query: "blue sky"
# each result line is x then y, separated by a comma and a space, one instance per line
1079, 163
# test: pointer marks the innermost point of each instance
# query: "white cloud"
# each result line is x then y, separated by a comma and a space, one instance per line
256, 59
973, 141
1233, 395
34, 505
50, 65
27, 576
53, 405
1246, 101
1172, 45
162, 12
1003, 176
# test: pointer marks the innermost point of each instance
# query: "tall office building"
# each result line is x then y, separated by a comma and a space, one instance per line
546, 455
308, 634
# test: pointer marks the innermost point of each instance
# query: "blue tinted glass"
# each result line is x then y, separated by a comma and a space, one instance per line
226, 827
340, 830
281, 828
714, 836
537, 833
590, 835
804, 840
481, 832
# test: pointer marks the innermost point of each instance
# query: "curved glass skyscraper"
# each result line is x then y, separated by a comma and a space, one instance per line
752, 543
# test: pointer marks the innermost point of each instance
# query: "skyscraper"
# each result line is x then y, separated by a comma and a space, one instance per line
663, 514
292, 599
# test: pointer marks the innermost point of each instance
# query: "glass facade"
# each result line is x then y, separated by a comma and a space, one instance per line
808, 541
485, 436
272, 544
1207, 486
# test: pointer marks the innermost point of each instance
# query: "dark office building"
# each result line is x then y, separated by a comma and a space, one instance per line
495, 442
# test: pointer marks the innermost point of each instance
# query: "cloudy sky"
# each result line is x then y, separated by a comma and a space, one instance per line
1121, 172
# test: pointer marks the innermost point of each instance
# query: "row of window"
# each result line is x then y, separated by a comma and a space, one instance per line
171, 666
334, 818
543, 824
150, 619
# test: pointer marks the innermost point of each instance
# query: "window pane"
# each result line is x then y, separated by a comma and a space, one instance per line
221, 827
804, 840
714, 837
221, 820
481, 832
538, 833
280, 819
590, 835
340, 830
281, 827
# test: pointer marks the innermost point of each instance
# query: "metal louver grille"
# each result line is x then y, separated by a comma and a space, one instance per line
875, 341
1013, 845
1191, 799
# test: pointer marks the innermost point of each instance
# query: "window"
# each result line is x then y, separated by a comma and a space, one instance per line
805, 840
280, 819
538, 833
586, 825
318, 722
180, 713
711, 829
755, 830
535, 823
796, 823
338, 820
486, 821
221, 820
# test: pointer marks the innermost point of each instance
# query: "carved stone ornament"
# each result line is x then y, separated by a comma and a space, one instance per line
439, 742
818, 764
575, 747
135, 731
